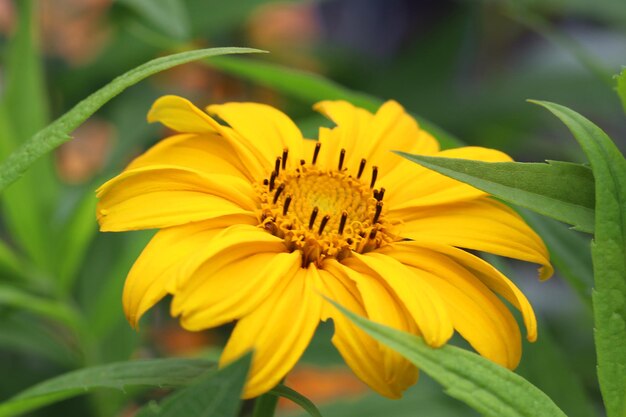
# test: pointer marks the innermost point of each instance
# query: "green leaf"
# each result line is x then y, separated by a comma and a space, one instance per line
306, 404
215, 394
23, 111
485, 386
157, 373
561, 190
58, 132
608, 252
168, 16
311, 88
621, 87
17, 298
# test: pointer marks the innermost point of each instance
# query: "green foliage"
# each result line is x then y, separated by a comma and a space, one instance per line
156, 373
306, 404
58, 132
215, 394
485, 386
561, 190
168, 16
311, 88
608, 252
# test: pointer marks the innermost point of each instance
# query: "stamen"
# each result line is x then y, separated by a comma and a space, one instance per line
313, 216
277, 165
378, 195
374, 175
279, 190
342, 222
272, 179
316, 152
286, 204
361, 168
302, 162
266, 181
325, 220
285, 155
373, 233
342, 156
379, 209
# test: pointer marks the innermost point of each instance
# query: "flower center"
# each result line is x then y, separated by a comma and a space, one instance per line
323, 213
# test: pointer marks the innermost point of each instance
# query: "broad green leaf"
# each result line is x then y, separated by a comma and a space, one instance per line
488, 388
58, 132
311, 88
9, 262
23, 111
561, 190
306, 404
608, 252
11, 296
156, 373
215, 394
621, 87
169, 16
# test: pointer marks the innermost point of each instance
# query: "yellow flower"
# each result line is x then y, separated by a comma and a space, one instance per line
257, 223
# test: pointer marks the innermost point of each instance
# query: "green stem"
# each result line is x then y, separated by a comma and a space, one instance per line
265, 405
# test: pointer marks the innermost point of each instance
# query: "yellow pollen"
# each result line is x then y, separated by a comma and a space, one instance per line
323, 213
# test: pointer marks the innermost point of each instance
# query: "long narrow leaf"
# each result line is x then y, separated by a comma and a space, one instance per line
306, 404
621, 87
311, 88
561, 190
58, 132
608, 253
156, 373
488, 388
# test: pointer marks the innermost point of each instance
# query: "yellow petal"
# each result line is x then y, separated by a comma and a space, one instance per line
207, 153
181, 115
483, 224
162, 196
491, 277
263, 128
218, 295
382, 369
371, 137
477, 314
411, 185
420, 300
160, 262
278, 330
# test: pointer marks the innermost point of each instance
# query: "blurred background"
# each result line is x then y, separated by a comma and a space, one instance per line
465, 66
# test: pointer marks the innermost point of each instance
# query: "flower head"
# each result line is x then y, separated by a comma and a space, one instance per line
257, 223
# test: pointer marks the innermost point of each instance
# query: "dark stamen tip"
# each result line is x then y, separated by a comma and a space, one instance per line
323, 224
285, 155
342, 222
342, 157
373, 233
266, 181
277, 165
272, 179
379, 209
361, 168
279, 190
286, 204
313, 216
374, 175
316, 152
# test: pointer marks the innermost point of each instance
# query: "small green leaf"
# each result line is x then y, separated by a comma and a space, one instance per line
11, 296
215, 394
485, 386
311, 88
306, 404
561, 190
58, 132
621, 87
157, 373
169, 16
608, 252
